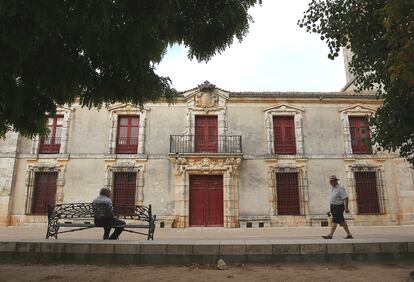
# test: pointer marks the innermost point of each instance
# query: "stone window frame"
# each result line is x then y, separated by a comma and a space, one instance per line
50, 166
284, 110
129, 110
353, 111
187, 166
125, 166
216, 106
301, 169
66, 112
381, 188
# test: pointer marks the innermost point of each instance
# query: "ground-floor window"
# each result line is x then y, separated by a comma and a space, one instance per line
367, 192
44, 191
124, 188
287, 190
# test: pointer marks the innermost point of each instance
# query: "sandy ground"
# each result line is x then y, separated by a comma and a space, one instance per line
354, 271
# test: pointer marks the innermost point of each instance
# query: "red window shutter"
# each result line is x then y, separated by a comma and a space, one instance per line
124, 190
367, 193
360, 136
206, 139
284, 134
44, 192
51, 143
127, 137
288, 202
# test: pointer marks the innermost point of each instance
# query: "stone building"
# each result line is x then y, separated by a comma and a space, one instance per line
214, 158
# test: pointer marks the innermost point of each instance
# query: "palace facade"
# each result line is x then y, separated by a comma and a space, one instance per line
214, 158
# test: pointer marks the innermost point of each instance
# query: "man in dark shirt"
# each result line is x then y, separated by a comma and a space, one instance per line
104, 217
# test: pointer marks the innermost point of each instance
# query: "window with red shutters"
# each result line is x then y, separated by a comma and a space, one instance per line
206, 134
360, 137
51, 143
367, 192
44, 192
124, 188
127, 137
284, 135
287, 186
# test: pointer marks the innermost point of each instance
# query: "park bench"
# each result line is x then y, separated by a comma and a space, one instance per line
80, 216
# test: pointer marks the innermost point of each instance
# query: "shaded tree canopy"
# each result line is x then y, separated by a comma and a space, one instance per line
380, 34
101, 51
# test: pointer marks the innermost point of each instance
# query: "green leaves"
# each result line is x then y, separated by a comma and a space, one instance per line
51, 51
381, 34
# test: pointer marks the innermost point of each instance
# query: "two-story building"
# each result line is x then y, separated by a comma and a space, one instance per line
214, 158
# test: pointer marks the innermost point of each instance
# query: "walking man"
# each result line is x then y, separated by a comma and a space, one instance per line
338, 204
103, 215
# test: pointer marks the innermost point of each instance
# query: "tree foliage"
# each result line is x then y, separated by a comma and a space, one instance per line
101, 51
381, 34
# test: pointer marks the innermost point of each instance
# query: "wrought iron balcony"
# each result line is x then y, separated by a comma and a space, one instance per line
206, 144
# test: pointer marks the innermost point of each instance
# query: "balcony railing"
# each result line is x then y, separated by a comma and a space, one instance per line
127, 145
205, 144
49, 145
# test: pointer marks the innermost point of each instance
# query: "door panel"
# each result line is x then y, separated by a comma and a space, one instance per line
206, 200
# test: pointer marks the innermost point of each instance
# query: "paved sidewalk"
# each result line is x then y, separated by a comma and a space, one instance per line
283, 234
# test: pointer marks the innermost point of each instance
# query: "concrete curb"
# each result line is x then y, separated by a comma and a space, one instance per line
186, 252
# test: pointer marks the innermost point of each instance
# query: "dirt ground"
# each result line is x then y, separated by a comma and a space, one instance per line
354, 271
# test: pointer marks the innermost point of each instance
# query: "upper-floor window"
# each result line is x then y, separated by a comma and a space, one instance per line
360, 137
284, 134
127, 137
206, 134
50, 144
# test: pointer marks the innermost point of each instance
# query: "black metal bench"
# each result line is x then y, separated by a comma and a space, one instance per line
81, 216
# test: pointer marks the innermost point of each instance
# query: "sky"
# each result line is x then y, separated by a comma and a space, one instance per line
276, 55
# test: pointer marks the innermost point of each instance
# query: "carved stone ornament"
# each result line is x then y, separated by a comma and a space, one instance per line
206, 165
206, 86
206, 100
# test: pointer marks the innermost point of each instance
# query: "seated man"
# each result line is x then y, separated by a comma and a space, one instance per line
103, 215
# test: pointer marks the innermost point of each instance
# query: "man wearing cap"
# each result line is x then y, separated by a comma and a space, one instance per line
338, 204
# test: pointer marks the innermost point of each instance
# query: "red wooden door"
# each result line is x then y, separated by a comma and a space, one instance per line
367, 193
44, 193
284, 134
287, 193
206, 200
360, 136
206, 128
127, 138
124, 188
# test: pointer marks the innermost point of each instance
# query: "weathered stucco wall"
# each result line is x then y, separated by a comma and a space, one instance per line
84, 168
88, 131
253, 188
83, 180
163, 121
